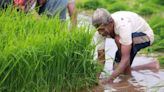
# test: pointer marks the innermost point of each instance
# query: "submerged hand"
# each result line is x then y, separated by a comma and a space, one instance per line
106, 81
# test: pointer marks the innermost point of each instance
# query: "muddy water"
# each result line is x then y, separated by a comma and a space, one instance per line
142, 81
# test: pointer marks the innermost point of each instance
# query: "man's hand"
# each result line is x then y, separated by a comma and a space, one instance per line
125, 61
106, 81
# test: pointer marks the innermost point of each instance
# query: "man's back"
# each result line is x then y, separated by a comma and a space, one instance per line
126, 22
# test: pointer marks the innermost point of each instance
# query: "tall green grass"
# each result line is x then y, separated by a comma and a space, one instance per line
41, 55
91, 4
157, 24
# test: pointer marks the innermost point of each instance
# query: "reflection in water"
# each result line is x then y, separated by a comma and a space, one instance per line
125, 84
142, 81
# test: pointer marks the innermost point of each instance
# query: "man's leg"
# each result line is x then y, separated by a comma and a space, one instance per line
153, 66
140, 41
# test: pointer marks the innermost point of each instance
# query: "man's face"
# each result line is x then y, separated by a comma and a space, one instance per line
105, 29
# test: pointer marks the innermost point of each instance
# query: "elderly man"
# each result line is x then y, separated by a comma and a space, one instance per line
130, 32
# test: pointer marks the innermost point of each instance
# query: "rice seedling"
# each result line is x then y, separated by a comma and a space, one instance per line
41, 55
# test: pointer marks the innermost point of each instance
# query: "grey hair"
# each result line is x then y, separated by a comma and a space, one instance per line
101, 16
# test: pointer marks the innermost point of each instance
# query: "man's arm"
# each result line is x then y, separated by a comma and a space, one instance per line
101, 57
72, 12
99, 41
125, 61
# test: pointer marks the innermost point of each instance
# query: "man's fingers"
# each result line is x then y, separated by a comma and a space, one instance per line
103, 82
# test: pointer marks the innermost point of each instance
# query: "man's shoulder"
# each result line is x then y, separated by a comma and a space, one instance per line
125, 18
124, 14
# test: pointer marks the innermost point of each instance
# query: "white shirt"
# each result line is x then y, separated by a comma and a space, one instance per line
126, 23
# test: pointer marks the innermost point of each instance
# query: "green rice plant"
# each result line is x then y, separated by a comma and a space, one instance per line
41, 55
159, 2
146, 10
118, 6
161, 59
92, 4
157, 24
109, 1
158, 45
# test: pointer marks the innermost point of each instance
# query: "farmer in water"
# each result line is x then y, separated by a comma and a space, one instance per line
49, 7
53, 7
131, 34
